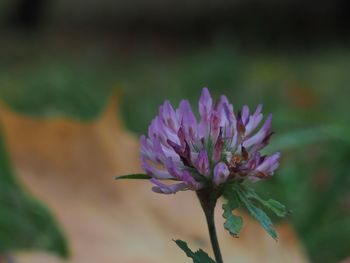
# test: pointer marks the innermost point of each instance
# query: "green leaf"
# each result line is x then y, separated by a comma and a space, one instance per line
257, 212
198, 257
232, 223
133, 176
275, 206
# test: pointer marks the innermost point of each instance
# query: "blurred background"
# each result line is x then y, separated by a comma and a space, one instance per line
65, 59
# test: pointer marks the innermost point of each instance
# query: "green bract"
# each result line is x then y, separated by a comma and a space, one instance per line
198, 257
241, 195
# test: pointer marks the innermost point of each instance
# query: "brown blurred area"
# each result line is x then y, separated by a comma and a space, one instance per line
71, 166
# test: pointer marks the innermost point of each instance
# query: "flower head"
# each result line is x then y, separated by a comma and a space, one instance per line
221, 147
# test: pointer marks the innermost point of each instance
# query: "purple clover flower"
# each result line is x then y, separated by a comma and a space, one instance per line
222, 147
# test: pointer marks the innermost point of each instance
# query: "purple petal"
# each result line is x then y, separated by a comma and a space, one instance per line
154, 172
232, 142
154, 130
221, 173
218, 148
187, 178
183, 153
182, 137
254, 120
205, 109
245, 114
158, 150
146, 148
167, 113
261, 135
215, 126
187, 119
226, 112
202, 163
172, 168
254, 161
270, 164
167, 189
158, 130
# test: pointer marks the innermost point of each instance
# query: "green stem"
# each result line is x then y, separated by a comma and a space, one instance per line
208, 198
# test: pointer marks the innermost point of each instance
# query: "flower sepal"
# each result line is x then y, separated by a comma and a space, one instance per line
198, 256
133, 176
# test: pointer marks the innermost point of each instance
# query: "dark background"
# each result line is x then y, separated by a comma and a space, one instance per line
267, 23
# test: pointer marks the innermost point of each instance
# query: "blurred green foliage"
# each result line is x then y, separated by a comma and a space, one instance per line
307, 92
25, 223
